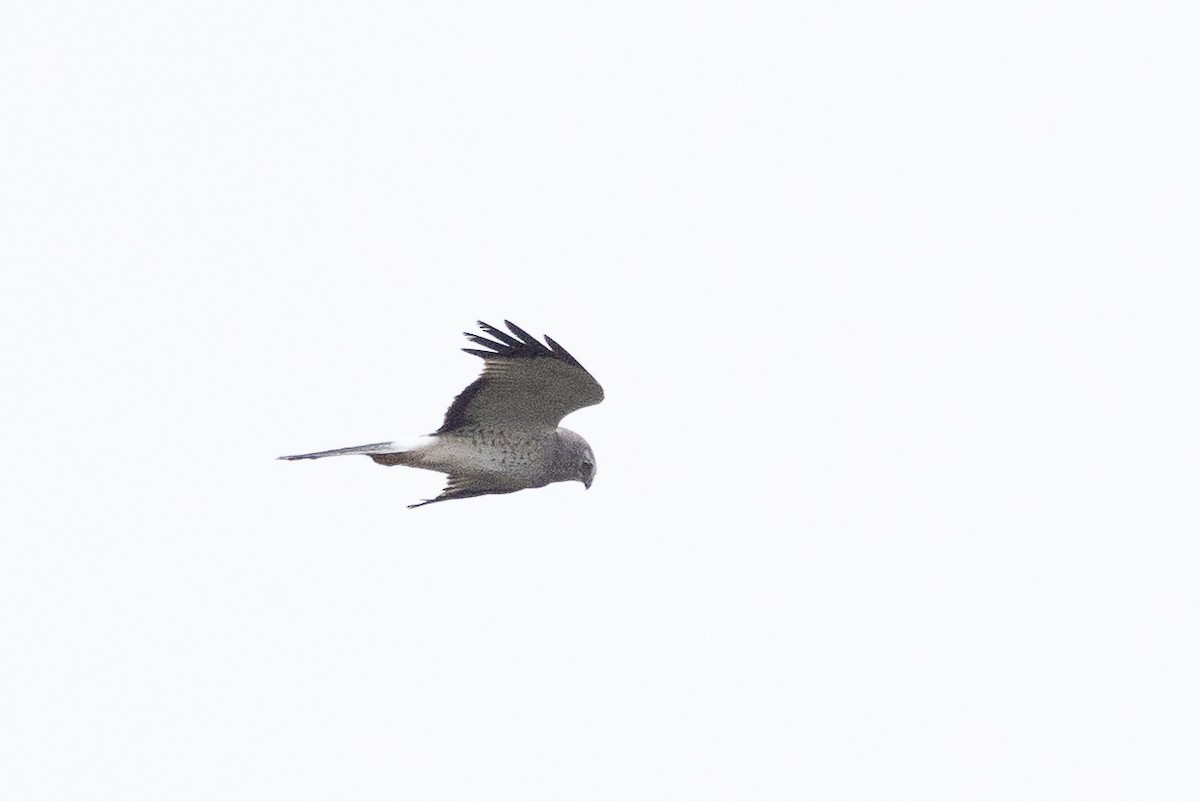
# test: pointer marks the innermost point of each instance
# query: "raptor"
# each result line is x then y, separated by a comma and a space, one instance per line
502, 434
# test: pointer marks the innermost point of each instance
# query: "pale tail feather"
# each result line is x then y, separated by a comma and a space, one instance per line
379, 448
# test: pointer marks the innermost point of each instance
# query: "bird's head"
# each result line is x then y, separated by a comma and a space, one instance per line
575, 459
587, 468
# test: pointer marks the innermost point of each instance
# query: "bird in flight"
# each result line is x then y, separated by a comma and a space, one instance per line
501, 433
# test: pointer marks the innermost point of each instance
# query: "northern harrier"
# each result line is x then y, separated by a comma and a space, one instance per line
501, 434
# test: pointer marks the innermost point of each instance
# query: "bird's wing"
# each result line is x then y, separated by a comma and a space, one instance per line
524, 383
468, 487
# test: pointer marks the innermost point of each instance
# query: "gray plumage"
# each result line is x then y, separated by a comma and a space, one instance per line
501, 433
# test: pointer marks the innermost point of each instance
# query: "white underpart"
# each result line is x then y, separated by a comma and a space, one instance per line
517, 459
409, 444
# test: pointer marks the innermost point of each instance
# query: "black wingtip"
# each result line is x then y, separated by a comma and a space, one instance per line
498, 334
519, 344
523, 335
561, 352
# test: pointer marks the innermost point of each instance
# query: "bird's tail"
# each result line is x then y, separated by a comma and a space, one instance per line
379, 448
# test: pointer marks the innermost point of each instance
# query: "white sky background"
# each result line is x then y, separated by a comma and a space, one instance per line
895, 306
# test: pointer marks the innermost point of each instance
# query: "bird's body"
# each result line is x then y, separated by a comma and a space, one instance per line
501, 434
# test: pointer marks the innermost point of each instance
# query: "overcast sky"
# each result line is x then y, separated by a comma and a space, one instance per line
895, 307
